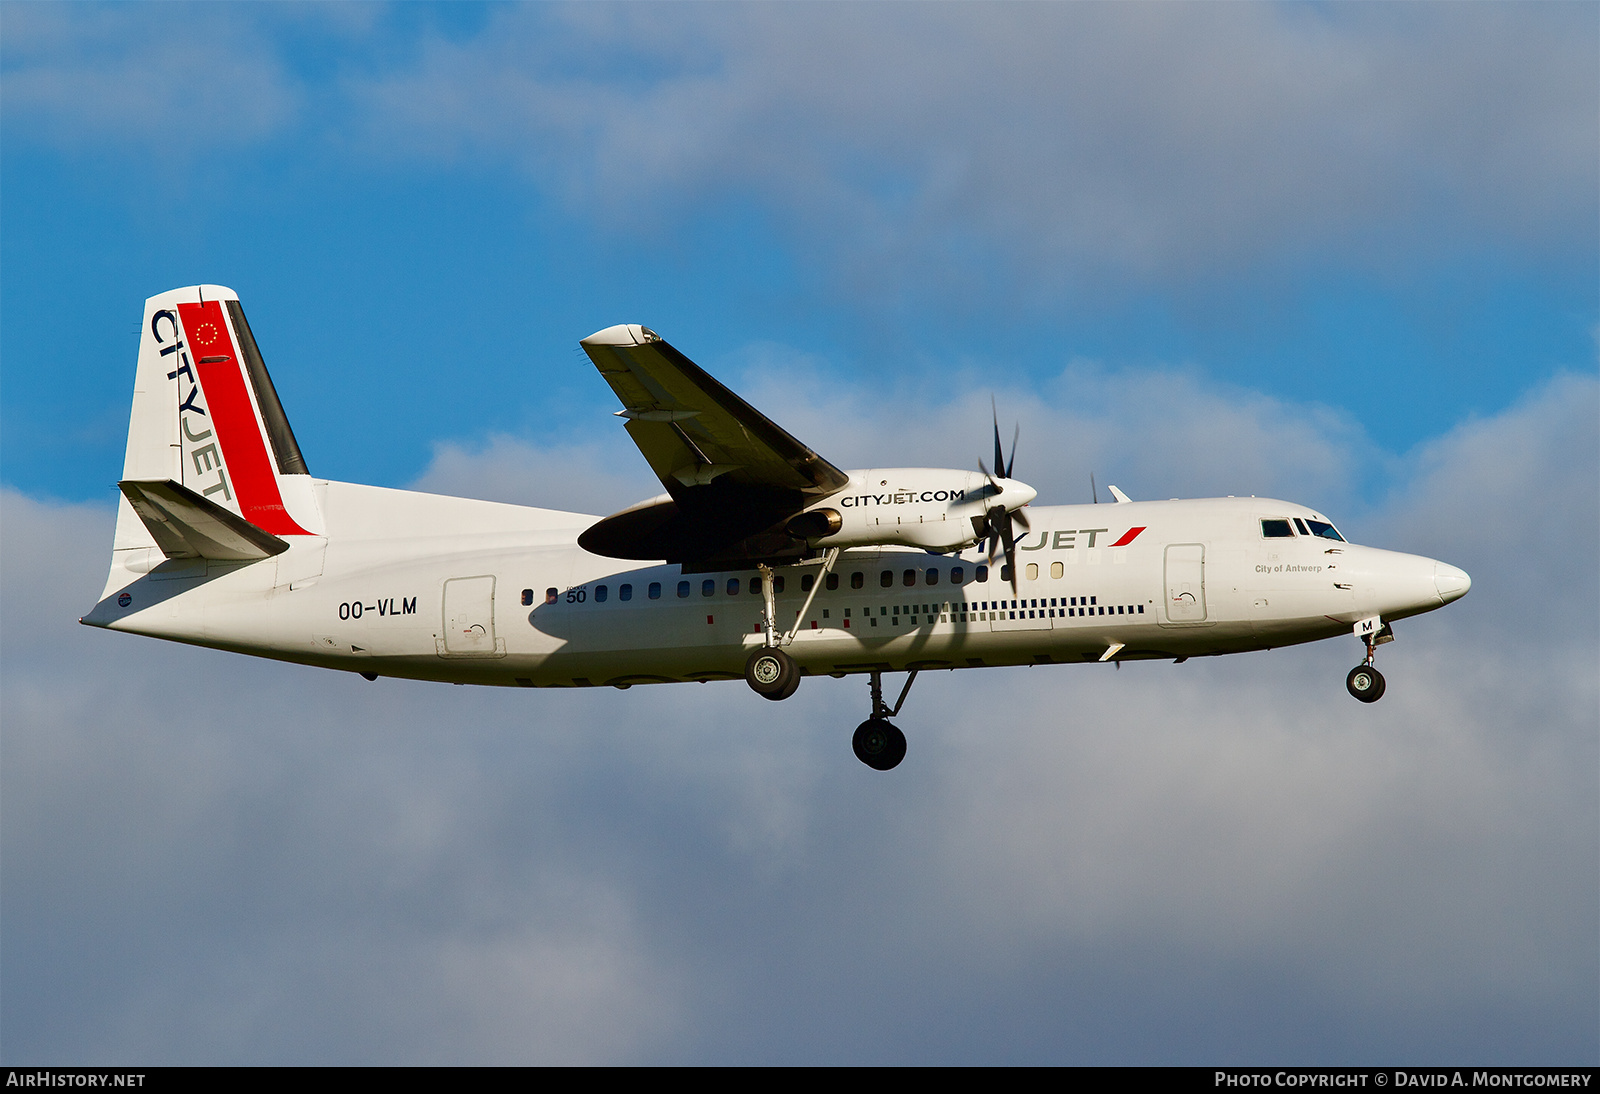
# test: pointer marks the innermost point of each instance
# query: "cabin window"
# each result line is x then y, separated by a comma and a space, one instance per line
733, 586
956, 574
982, 575
886, 579
931, 577
708, 587
1005, 573
683, 590
655, 590
1325, 530
527, 597
624, 592
601, 592
755, 586
858, 579
833, 582
1276, 529
1055, 570
777, 583
807, 581
909, 578
551, 595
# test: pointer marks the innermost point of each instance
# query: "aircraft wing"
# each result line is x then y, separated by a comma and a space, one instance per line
693, 431
733, 476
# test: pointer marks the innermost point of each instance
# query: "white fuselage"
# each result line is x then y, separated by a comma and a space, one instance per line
429, 587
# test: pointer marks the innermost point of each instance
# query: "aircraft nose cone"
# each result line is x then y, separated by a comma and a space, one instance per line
1451, 582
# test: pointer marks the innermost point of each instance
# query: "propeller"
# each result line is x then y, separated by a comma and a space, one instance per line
1000, 521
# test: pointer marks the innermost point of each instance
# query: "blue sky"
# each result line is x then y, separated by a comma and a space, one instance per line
446, 197
1343, 253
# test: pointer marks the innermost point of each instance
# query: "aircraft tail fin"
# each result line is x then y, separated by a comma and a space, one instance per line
207, 421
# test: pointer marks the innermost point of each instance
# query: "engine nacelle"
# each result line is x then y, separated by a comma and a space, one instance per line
932, 508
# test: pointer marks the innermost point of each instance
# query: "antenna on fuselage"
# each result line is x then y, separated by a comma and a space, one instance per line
1093, 490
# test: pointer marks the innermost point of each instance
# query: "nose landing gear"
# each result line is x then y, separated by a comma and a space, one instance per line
1365, 682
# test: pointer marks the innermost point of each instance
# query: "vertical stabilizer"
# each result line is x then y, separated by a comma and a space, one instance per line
206, 416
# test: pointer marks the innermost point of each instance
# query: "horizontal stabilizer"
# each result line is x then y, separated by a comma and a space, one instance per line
188, 525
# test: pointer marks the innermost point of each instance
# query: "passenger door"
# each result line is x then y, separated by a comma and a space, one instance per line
1186, 583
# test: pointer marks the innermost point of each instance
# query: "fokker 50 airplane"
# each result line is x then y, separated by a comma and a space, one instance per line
761, 560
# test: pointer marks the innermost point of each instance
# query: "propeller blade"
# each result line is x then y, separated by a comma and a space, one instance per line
995, 519
999, 452
999, 523
1011, 554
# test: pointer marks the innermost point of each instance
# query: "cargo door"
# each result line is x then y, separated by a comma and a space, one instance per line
469, 619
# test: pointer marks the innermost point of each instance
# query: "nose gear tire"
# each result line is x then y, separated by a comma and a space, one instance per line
1365, 683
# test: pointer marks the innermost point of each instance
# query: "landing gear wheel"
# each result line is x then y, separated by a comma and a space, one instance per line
771, 673
878, 744
1365, 683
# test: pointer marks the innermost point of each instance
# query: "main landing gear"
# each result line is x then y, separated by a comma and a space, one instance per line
877, 742
1365, 682
771, 673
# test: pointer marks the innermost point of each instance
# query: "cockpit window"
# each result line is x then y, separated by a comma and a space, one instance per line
1300, 524
1324, 529
1276, 529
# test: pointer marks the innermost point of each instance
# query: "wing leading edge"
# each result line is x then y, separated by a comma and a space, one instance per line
733, 476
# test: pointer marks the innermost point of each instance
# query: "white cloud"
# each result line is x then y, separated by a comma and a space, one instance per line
208, 857
1038, 145
176, 79
1137, 428
594, 478
1038, 154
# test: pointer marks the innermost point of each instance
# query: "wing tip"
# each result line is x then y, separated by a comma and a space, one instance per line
623, 334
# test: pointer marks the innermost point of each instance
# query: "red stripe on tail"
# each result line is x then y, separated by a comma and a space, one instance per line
255, 483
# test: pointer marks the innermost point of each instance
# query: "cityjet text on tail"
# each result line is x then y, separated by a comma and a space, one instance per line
761, 560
